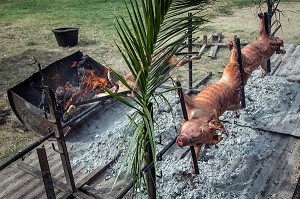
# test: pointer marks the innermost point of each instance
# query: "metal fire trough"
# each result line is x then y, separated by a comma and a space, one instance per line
26, 98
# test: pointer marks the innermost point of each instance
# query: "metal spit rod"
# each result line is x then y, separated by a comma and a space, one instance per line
240, 61
26, 150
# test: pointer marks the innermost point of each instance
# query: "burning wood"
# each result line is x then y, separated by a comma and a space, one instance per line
91, 81
205, 109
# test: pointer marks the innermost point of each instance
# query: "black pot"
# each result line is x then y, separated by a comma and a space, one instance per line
66, 37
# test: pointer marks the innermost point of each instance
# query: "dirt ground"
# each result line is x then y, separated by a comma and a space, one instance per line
16, 62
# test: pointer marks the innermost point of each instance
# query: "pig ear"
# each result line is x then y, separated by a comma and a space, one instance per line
216, 124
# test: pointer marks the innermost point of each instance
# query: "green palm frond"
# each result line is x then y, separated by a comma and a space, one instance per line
154, 32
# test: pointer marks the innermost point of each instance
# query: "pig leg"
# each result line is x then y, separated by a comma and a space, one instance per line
198, 150
264, 68
187, 60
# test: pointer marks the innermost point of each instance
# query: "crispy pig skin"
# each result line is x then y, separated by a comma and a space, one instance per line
205, 109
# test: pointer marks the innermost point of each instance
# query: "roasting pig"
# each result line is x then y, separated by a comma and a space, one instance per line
205, 109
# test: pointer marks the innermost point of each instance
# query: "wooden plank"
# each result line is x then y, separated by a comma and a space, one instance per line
35, 172
215, 39
46, 175
205, 40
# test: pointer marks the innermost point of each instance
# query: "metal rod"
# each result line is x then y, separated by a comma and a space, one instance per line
190, 49
268, 30
240, 61
276, 29
187, 53
164, 150
25, 151
203, 80
61, 143
125, 190
269, 3
199, 83
80, 115
104, 98
185, 116
186, 45
47, 179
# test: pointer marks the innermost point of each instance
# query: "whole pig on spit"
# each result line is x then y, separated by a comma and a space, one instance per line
205, 109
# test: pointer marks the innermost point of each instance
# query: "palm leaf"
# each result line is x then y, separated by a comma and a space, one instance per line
149, 39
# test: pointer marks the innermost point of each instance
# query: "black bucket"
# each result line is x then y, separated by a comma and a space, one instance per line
66, 37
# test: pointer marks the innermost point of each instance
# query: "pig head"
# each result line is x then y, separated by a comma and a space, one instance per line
196, 132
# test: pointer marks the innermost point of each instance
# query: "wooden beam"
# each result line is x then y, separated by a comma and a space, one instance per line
215, 39
46, 174
204, 45
37, 173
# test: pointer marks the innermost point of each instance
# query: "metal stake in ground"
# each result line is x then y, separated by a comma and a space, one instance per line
267, 19
240, 61
64, 155
185, 116
190, 50
43, 160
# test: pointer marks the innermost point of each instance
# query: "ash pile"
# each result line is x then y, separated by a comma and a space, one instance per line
256, 158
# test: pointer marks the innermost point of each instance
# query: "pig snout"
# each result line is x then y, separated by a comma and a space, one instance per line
182, 141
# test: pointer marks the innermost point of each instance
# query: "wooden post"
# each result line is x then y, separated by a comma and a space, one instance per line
43, 160
59, 135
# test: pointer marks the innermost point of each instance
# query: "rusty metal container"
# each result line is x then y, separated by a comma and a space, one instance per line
26, 97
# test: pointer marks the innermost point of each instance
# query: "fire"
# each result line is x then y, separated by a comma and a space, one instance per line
93, 81
90, 84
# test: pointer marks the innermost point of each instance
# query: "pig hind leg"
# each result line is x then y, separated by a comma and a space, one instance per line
264, 68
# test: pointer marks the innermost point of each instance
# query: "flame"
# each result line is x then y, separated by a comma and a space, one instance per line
91, 82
